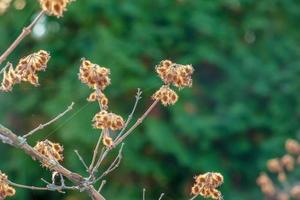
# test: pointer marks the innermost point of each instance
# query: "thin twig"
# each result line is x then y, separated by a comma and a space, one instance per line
144, 193
8, 64
137, 123
194, 197
101, 186
77, 179
26, 31
114, 165
161, 196
41, 126
137, 98
27, 186
96, 151
81, 159
116, 142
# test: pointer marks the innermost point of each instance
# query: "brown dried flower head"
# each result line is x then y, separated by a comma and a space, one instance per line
10, 77
166, 95
176, 74
101, 98
26, 70
107, 120
54, 7
274, 165
292, 146
288, 162
295, 192
107, 141
206, 185
50, 150
93, 75
5, 189
266, 184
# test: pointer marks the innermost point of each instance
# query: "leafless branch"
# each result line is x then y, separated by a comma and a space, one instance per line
144, 193
41, 126
161, 196
101, 186
114, 165
78, 180
81, 160
194, 197
26, 31
137, 99
8, 64
96, 152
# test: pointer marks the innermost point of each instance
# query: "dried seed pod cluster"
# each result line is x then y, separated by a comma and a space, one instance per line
107, 120
50, 150
281, 166
93, 75
5, 189
166, 95
26, 70
54, 7
172, 74
97, 78
178, 75
206, 185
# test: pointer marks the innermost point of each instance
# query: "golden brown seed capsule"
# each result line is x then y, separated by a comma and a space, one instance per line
54, 7
166, 95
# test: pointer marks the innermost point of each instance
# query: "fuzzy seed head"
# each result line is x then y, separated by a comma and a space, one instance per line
166, 95
5, 189
206, 185
50, 150
107, 120
292, 146
178, 75
54, 7
93, 75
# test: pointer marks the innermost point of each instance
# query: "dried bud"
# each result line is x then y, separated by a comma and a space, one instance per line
101, 98
288, 162
50, 150
10, 77
93, 75
107, 141
295, 192
166, 95
292, 146
206, 184
266, 184
176, 74
54, 7
106, 120
5, 189
274, 165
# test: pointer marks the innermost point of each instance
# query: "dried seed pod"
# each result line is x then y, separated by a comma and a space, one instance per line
288, 162
107, 141
206, 184
54, 7
106, 120
176, 74
295, 192
266, 184
93, 75
5, 189
50, 150
274, 165
101, 98
292, 146
166, 95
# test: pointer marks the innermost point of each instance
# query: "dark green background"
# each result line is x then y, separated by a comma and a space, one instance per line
243, 105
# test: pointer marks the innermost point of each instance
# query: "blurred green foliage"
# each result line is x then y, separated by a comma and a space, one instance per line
243, 105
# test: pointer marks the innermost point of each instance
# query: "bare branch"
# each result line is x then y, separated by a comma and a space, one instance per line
144, 193
101, 186
26, 31
120, 139
137, 123
41, 126
137, 99
81, 159
114, 165
20, 143
161, 196
96, 151
194, 197
8, 64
